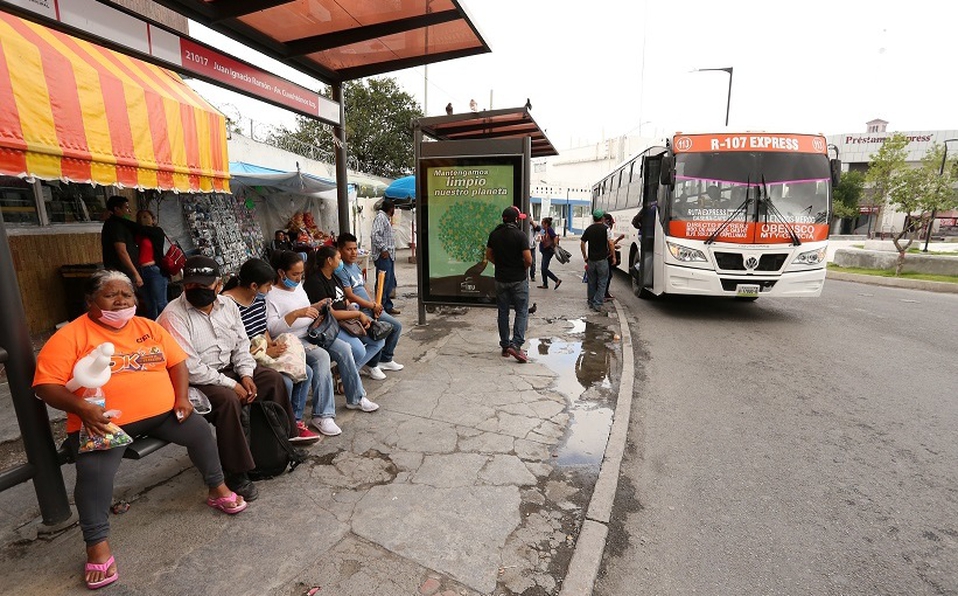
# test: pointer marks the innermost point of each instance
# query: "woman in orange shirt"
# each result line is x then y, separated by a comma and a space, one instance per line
148, 387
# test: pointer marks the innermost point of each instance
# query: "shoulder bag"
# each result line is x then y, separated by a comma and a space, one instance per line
379, 329
324, 329
173, 261
353, 327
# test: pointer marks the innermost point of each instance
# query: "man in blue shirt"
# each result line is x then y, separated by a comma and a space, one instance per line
353, 284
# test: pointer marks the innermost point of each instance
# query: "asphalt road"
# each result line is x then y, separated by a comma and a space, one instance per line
804, 446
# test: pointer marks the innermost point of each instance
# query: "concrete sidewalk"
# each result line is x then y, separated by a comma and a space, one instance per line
474, 477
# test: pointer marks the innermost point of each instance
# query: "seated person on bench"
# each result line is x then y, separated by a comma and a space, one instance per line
210, 330
149, 388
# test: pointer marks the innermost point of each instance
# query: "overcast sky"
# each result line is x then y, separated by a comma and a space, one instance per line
603, 68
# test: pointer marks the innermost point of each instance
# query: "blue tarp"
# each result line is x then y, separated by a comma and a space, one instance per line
295, 182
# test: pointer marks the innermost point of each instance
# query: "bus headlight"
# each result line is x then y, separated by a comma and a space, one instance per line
686, 254
812, 257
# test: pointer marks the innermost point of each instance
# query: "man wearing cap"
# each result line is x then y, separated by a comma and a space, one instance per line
508, 249
597, 248
210, 330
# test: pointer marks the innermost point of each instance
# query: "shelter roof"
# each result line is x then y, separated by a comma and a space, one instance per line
508, 123
337, 41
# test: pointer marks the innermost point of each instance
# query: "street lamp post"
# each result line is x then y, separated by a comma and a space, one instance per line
941, 172
728, 102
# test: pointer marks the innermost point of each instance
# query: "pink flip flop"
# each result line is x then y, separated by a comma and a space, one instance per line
102, 568
223, 504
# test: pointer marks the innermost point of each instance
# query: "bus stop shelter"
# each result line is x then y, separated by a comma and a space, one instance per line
491, 148
326, 39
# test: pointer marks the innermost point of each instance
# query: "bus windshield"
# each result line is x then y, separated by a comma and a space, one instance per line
735, 189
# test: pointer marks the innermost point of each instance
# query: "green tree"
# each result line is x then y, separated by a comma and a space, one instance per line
848, 194
919, 192
379, 138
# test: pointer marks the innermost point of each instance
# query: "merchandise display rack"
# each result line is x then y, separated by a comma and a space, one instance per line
224, 229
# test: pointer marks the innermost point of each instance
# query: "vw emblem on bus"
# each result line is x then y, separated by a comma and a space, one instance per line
683, 144
818, 144
751, 263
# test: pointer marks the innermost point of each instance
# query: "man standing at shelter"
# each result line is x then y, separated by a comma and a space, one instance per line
596, 239
117, 240
508, 249
384, 249
210, 330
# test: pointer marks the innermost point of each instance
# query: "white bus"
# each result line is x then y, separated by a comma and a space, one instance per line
743, 215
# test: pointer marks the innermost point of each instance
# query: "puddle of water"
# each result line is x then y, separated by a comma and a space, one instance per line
580, 364
585, 442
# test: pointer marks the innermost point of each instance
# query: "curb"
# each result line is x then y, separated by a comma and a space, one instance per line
590, 546
894, 282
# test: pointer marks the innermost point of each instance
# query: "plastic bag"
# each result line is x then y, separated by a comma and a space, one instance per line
114, 437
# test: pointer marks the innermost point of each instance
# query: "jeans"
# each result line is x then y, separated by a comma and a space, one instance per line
386, 264
154, 286
389, 349
512, 294
546, 274
532, 270
365, 349
324, 404
598, 278
342, 353
298, 392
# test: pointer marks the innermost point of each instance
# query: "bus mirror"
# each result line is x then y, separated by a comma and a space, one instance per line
666, 177
836, 165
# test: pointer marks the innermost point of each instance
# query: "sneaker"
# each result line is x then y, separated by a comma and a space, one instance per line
391, 365
517, 354
364, 404
327, 426
543, 287
393, 311
373, 372
505, 352
303, 434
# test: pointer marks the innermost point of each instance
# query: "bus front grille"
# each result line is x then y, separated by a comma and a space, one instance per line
733, 261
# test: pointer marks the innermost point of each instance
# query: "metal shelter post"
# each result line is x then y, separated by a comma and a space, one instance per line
43, 466
342, 179
420, 185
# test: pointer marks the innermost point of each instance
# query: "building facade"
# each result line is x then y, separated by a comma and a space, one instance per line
856, 151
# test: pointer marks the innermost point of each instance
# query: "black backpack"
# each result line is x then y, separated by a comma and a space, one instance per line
266, 425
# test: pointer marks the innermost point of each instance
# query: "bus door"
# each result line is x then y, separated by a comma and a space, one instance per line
643, 270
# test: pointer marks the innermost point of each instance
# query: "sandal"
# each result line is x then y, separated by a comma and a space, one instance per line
102, 568
224, 503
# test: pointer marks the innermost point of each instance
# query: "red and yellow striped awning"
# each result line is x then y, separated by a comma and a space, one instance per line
73, 111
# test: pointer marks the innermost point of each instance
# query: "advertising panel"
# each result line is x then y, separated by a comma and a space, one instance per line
462, 200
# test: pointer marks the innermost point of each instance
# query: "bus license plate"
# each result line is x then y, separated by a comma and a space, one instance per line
746, 290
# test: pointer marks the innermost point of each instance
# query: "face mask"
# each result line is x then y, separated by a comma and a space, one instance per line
290, 283
340, 268
261, 295
117, 318
200, 297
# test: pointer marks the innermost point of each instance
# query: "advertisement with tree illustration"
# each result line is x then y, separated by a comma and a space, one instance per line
464, 199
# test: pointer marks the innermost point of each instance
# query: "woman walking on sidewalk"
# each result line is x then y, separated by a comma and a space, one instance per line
547, 246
